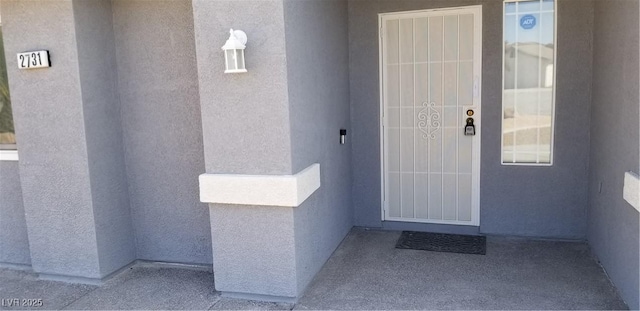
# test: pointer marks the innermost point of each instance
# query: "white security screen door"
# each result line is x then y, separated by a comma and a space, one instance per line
430, 67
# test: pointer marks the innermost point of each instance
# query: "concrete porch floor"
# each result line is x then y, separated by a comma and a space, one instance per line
366, 272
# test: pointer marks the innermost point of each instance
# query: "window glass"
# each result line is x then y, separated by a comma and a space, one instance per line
7, 133
529, 81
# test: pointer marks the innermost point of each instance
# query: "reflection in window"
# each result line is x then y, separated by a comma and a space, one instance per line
529, 81
7, 134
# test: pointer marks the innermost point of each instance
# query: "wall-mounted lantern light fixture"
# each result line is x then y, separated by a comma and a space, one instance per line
234, 52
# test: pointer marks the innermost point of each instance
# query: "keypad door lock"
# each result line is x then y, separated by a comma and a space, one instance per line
470, 128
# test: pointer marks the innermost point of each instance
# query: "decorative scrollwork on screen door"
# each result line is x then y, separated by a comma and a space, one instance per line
429, 120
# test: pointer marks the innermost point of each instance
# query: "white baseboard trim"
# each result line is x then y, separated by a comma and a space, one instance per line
631, 192
265, 190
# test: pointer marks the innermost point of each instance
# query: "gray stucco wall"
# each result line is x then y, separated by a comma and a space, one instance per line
613, 223
526, 201
292, 102
245, 116
318, 85
246, 130
101, 110
14, 242
254, 250
54, 170
158, 89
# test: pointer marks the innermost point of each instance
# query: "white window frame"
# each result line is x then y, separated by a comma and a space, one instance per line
555, 75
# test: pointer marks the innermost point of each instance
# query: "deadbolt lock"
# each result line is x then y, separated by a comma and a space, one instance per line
470, 128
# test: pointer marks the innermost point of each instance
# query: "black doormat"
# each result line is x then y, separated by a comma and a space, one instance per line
440, 242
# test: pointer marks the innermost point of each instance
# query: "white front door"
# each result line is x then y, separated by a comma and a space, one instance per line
430, 67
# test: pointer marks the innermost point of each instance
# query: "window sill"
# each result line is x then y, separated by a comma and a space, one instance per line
8, 155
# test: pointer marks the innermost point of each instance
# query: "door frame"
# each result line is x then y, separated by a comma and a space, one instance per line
477, 103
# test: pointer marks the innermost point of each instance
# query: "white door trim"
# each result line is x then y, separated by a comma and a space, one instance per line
476, 10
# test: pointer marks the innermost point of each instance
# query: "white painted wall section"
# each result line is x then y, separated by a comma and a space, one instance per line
631, 192
266, 190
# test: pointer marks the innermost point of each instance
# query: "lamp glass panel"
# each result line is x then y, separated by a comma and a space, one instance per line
241, 59
230, 56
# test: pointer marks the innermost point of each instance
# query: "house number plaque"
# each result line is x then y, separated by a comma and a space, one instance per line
33, 60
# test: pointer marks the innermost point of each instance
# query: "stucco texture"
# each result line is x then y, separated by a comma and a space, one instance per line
613, 223
108, 128
318, 86
105, 152
54, 169
292, 103
246, 130
254, 250
14, 241
158, 89
524, 200
245, 117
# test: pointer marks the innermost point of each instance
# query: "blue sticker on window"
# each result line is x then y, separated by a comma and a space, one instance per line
528, 22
